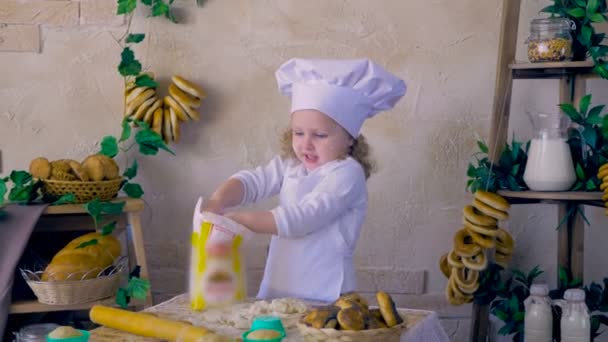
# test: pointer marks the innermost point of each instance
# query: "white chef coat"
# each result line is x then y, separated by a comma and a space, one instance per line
318, 220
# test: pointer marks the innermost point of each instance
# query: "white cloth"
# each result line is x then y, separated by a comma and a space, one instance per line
319, 219
427, 330
349, 90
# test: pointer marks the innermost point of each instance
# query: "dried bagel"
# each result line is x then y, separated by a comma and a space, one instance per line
40, 168
79, 171
351, 319
94, 168
388, 309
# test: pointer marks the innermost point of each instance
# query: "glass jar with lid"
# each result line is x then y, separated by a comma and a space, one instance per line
550, 40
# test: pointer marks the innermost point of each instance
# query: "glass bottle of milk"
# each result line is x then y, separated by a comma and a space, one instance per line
538, 320
549, 166
575, 324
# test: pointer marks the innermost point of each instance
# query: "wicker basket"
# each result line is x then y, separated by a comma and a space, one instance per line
76, 291
392, 334
83, 191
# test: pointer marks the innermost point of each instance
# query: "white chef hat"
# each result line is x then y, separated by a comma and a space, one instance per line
349, 91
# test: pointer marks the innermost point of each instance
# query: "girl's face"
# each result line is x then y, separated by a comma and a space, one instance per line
317, 139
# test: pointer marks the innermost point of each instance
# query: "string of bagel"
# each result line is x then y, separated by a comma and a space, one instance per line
479, 235
165, 114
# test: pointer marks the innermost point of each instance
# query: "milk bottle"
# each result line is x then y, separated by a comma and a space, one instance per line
575, 324
538, 321
549, 166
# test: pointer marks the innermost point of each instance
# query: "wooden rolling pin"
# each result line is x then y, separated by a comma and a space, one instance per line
150, 326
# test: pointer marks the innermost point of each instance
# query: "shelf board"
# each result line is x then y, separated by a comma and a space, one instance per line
132, 205
592, 198
550, 69
29, 306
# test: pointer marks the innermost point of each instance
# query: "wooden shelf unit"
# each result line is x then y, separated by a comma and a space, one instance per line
572, 78
71, 217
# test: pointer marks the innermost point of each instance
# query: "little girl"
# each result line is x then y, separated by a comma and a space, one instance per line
320, 178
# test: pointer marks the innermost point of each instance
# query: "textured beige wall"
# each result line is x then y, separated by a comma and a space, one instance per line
60, 101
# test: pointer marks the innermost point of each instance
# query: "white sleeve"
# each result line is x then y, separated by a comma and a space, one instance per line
261, 182
339, 191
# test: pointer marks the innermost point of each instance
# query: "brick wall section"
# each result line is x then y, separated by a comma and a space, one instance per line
19, 38
21, 21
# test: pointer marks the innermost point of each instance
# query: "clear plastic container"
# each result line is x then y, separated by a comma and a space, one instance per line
538, 321
550, 40
575, 325
549, 166
34, 332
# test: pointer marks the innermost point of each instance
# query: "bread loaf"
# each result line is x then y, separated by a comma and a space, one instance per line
74, 263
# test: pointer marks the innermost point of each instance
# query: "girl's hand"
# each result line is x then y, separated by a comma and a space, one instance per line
212, 206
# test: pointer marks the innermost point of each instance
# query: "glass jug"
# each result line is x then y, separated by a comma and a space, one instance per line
549, 166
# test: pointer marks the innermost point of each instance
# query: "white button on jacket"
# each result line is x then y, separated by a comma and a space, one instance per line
319, 219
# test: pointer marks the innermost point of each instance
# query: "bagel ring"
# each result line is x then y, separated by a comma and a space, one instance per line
484, 241
478, 262
504, 242
483, 230
603, 167
457, 293
493, 200
605, 197
450, 295
454, 260
604, 186
601, 173
476, 217
464, 245
467, 280
490, 211
443, 265
502, 260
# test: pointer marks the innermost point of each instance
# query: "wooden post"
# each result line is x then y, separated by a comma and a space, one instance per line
571, 235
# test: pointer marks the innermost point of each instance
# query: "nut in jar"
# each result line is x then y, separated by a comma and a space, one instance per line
550, 40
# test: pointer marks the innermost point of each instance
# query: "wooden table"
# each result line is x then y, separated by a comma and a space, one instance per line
73, 217
422, 325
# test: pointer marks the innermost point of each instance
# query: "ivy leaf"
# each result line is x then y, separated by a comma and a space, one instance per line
482, 146
65, 199
126, 131
590, 185
94, 208
550, 9
518, 316
109, 146
135, 38
580, 173
585, 36
126, 6
581, 3
88, 243
128, 66
471, 170
131, 172
590, 136
133, 190
592, 6
571, 112
122, 298
138, 288
149, 142
147, 2
2, 190
20, 177
584, 104
108, 228
144, 80
597, 18
501, 315
594, 115
159, 8
576, 12
112, 208
563, 277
